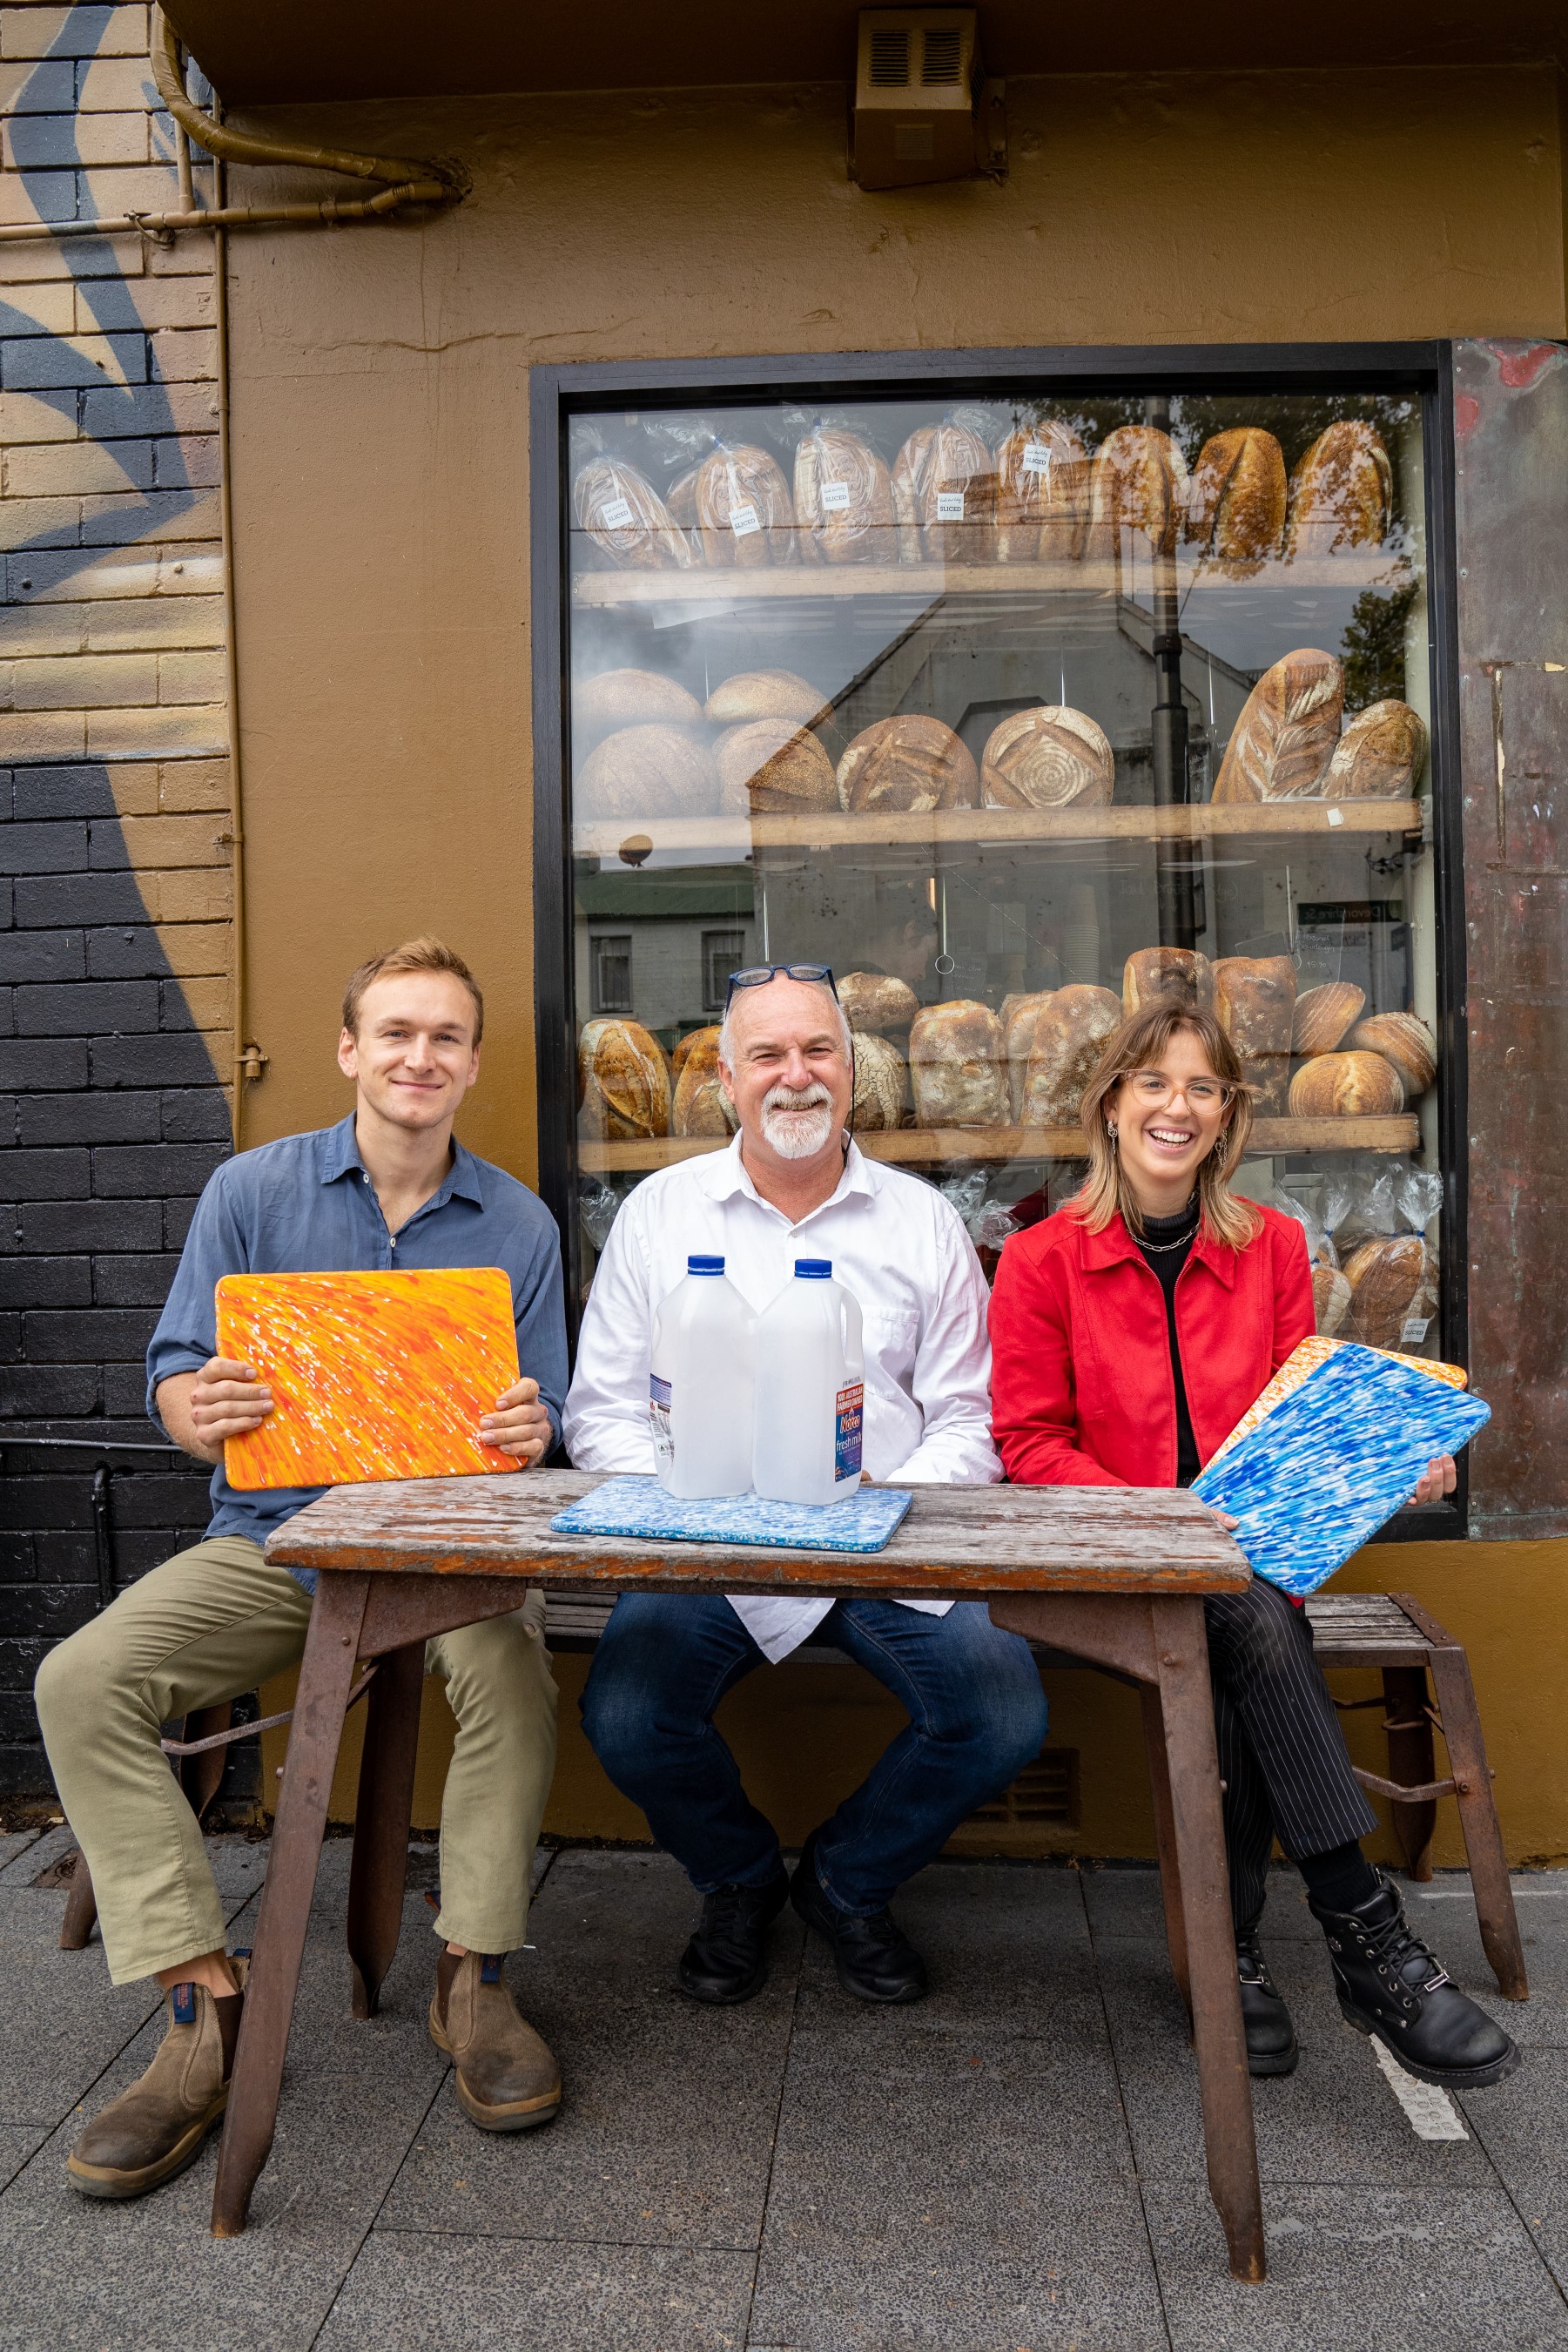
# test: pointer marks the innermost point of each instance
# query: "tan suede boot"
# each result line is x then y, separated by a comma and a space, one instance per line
155, 2129
506, 2079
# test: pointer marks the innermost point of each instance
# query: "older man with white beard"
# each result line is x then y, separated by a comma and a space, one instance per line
792, 1184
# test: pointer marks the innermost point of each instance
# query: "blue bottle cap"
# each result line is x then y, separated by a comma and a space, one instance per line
815, 1269
704, 1265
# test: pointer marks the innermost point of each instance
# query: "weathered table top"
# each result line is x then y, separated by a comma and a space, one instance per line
955, 1541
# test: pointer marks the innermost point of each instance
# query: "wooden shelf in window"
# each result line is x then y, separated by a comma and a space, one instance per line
1356, 567
732, 837
927, 1147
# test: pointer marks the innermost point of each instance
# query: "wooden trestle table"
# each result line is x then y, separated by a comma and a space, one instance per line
1115, 1576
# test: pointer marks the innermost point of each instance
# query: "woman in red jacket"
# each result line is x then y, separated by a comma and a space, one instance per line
1129, 1333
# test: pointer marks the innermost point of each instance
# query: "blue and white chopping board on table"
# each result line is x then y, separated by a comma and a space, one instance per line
1315, 1481
639, 1506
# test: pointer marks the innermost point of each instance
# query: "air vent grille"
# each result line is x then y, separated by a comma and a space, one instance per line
942, 57
1044, 1792
889, 57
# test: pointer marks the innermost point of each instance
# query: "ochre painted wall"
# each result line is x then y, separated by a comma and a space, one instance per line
382, 538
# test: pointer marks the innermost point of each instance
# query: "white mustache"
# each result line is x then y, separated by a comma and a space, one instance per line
786, 1097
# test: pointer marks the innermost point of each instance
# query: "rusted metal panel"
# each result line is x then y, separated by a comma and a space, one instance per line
1510, 424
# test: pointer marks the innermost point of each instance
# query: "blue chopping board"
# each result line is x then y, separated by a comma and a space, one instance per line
639, 1506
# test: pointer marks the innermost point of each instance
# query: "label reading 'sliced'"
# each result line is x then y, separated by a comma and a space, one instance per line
659, 1417
743, 520
949, 506
835, 497
617, 516
849, 1415
1037, 459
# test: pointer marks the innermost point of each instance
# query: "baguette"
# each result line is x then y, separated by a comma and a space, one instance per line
1285, 737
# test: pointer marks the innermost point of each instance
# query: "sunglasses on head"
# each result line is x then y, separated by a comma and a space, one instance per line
757, 975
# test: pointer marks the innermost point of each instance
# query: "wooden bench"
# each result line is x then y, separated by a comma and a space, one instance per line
1389, 1633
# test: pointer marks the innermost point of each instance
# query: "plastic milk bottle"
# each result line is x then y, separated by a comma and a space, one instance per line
810, 1390
700, 1384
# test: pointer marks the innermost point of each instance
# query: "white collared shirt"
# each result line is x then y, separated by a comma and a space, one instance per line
894, 1240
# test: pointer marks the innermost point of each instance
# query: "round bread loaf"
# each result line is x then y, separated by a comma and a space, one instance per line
1041, 495
1235, 508
843, 499
1346, 1086
630, 698
1070, 1036
944, 496
1255, 1004
625, 1081
648, 772
881, 1082
956, 1065
681, 497
909, 762
1331, 1300
701, 1104
1150, 973
772, 768
875, 1002
1391, 1281
1138, 482
1285, 737
1379, 756
744, 514
1323, 1016
626, 519
1048, 758
765, 693
1341, 492
1019, 1017
1404, 1039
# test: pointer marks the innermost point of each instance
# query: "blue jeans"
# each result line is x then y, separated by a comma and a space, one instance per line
976, 1716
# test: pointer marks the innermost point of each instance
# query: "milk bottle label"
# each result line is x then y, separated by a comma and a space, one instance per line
659, 1418
848, 1418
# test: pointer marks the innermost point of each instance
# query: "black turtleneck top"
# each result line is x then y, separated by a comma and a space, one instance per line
1155, 1245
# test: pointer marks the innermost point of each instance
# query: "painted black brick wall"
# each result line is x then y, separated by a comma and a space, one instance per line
112, 1119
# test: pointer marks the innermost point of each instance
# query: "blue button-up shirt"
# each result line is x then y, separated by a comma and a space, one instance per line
307, 1205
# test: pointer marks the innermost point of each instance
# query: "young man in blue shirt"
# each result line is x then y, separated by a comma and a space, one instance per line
387, 1187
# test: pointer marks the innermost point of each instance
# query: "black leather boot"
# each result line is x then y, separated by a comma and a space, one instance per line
874, 1958
727, 1959
1389, 1985
1270, 2036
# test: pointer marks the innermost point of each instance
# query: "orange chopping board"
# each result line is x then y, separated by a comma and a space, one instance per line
372, 1375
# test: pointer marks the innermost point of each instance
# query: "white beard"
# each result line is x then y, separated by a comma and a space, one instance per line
786, 1128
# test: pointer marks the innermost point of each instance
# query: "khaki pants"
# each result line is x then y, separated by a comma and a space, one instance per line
216, 1620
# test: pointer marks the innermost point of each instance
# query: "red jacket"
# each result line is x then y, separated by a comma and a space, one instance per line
1082, 1392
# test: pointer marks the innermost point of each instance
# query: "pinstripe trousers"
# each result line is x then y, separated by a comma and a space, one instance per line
1282, 1756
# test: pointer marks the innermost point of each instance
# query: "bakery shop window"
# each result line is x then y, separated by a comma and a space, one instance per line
1018, 709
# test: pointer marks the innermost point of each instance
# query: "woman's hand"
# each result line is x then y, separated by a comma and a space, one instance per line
519, 1425
1439, 1480
1226, 1521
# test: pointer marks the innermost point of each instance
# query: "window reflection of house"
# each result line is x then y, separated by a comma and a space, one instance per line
660, 942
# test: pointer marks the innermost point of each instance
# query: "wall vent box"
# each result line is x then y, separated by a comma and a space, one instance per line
916, 72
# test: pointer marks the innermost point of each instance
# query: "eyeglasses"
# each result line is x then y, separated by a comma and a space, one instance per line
1154, 1090
757, 975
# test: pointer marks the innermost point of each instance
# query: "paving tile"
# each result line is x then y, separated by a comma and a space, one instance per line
150, 2273
619, 1922
666, 2133
1445, 1912
1005, 1945
412, 2294
12, 1843
1522, 2124
1067, 2266
61, 2022
1407, 2270
36, 1855
1334, 2119
1125, 1901
17, 2142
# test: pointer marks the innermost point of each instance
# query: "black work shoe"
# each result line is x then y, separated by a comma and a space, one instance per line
1270, 2036
727, 1959
874, 1958
1389, 1985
